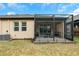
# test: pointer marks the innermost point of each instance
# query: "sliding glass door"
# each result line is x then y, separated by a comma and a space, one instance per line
45, 30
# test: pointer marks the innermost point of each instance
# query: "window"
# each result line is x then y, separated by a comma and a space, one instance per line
20, 26
16, 26
24, 26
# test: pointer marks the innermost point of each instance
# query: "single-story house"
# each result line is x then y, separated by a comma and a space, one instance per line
29, 26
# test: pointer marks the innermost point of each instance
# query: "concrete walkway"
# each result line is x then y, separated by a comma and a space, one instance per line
51, 40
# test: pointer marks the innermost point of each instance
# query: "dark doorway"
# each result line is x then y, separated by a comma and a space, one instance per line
45, 30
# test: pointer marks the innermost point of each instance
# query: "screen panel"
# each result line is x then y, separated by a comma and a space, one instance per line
69, 28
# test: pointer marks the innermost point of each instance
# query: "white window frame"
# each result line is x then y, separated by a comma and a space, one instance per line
16, 26
23, 26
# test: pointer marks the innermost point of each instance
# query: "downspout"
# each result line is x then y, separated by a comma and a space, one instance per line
9, 28
34, 27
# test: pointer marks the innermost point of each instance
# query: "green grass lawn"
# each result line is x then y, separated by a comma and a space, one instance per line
76, 39
26, 47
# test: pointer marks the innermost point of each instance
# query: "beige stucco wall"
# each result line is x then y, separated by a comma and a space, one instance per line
60, 28
4, 26
0, 26
8, 25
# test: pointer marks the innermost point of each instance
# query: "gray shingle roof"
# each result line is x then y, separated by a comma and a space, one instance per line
34, 15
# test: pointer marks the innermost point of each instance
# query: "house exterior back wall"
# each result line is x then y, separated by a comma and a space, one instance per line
7, 27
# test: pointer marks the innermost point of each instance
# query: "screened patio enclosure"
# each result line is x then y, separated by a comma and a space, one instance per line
53, 27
